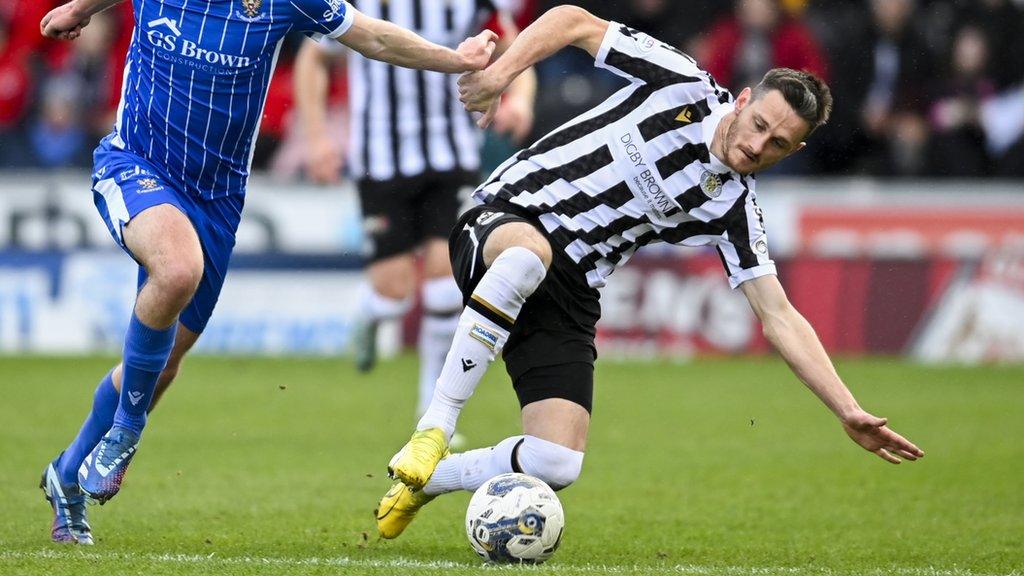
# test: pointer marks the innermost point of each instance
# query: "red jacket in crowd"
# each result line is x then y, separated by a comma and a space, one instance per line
793, 46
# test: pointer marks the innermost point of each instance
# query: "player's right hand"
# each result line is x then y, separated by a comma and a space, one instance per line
63, 23
476, 51
323, 162
480, 92
872, 433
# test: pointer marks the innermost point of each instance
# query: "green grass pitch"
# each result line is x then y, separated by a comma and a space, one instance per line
273, 466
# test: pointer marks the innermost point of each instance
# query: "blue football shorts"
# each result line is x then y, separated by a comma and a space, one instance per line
124, 185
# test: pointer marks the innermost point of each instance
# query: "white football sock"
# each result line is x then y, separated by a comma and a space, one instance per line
481, 333
374, 306
555, 464
469, 470
442, 302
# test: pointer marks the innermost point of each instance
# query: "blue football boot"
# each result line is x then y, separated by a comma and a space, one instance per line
103, 470
68, 502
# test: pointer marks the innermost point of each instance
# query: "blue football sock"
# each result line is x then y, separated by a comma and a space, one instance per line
145, 354
99, 420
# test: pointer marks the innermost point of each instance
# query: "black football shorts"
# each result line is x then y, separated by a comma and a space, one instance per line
401, 213
550, 352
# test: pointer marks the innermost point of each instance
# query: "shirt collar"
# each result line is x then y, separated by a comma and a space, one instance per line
709, 127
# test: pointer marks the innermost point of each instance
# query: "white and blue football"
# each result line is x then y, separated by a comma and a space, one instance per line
515, 518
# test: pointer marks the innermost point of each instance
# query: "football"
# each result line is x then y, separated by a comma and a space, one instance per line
515, 518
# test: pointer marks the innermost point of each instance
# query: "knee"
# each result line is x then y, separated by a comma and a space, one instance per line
178, 279
555, 464
541, 248
393, 278
400, 291
517, 235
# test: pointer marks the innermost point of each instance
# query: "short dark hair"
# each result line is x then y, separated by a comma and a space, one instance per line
806, 93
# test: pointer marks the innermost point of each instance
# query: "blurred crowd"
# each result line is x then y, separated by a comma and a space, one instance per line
922, 87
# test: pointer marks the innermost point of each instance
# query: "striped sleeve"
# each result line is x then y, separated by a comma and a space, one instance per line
641, 58
744, 245
323, 18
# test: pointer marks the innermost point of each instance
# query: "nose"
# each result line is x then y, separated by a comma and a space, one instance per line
757, 145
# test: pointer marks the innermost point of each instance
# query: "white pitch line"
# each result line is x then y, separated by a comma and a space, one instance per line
445, 565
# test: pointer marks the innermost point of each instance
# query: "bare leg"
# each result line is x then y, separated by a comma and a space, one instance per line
164, 242
563, 422
387, 295
394, 277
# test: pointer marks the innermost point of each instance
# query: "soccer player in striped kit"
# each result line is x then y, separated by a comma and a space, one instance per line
413, 149
668, 158
169, 181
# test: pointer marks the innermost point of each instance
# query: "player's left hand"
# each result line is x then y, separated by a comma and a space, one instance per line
874, 436
63, 23
476, 52
514, 117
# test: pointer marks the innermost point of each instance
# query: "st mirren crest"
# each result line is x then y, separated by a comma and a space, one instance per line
711, 184
251, 10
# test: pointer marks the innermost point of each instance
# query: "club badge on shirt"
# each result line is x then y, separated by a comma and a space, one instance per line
711, 184
252, 10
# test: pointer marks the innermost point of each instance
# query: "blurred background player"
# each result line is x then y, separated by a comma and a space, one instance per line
412, 149
169, 182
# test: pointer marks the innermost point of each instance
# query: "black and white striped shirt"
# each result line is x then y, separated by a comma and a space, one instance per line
637, 169
407, 122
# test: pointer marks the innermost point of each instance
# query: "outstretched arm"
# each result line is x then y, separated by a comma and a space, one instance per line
555, 29
66, 21
381, 40
793, 337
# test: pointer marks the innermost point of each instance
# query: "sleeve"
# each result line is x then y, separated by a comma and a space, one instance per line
744, 245
323, 18
641, 58
331, 46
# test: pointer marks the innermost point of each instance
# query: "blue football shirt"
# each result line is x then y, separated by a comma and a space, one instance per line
196, 79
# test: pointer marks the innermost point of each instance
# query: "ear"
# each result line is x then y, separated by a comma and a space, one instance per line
743, 99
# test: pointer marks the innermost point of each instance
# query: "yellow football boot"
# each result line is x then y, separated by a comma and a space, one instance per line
415, 462
397, 509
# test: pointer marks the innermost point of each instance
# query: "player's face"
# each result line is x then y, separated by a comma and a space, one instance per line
764, 132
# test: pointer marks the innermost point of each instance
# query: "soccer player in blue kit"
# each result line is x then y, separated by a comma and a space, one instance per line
169, 181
